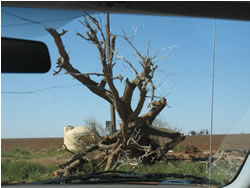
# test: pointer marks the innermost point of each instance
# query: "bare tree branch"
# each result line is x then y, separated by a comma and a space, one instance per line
80, 35
148, 47
106, 66
120, 77
63, 32
126, 61
65, 147
92, 37
138, 109
64, 63
112, 48
96, 23
130, 43
157, 107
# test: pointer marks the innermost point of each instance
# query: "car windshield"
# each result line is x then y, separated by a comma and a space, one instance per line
143, 94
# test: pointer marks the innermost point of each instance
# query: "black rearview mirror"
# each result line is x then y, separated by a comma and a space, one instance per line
24, 56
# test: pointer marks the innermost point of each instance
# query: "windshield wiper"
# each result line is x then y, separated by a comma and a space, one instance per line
125, 177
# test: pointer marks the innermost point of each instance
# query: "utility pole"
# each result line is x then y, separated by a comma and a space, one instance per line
112, 109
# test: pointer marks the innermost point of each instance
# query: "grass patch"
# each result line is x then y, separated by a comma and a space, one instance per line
178, 167
51, 152
23, 171
225, 171
35, 153
17, 154
194, 168
179, 148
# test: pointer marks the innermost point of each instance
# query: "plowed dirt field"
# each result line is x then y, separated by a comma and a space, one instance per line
220, 142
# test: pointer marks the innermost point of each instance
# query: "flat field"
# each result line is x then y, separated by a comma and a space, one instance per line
31, 143
220, 142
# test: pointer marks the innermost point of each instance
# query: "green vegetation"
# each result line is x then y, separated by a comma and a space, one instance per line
194, 168
16, 153
20, 165
34, 153
225, 170
175, 167
51, 152
180, 167
23, 171
179, 148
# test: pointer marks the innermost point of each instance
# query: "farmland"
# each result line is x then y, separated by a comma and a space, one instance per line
234, 141
40, 156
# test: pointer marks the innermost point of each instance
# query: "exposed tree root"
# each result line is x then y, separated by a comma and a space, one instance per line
114, 153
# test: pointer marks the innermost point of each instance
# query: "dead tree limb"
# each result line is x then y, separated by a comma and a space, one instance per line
133, 143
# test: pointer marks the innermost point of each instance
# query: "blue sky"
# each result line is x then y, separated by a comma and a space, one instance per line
184, 76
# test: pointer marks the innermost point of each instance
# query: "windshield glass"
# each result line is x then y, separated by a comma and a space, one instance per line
134, 93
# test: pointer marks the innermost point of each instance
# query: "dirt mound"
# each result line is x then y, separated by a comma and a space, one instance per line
191, 149
189, 153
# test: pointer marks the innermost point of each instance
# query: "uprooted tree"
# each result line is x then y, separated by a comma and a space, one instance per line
136, 141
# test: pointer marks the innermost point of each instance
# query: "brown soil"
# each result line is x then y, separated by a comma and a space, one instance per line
220, 142
31, 143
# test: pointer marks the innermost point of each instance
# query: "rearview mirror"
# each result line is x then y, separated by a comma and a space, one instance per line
24, 56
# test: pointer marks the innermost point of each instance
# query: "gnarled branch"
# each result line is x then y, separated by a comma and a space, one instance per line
157, 107
65, 64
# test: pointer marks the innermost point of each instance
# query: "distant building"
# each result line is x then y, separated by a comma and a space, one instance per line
109, 128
